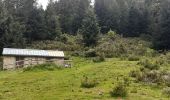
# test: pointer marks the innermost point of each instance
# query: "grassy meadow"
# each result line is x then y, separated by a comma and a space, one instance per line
65, 84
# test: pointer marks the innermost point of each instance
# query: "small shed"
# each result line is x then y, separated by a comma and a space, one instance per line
18, 58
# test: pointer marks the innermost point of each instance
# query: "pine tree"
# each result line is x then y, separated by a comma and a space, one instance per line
90, 28
123, 16
52, 21
108, 14
67, 11
13, 33
83, 6
161, 37
36, 27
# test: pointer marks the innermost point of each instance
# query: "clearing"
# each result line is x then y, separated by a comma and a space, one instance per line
65, 84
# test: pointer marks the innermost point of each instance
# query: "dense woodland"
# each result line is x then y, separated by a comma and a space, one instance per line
24, 21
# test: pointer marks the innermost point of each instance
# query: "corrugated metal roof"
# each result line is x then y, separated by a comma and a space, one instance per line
32, 52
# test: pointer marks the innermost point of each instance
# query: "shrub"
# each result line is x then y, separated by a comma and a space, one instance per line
146, 37
149, 65
134, 73
152, 66
161, 60
111, 34
77, 53
100, 58
90, 53
151, 53
119, 90
88, 83
149, 76
67, 58
126, 81
134, 90
133, 58
166, 91
152, 77
166, 78
168, 57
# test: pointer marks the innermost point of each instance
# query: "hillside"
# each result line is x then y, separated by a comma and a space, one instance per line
120, 50
65, 84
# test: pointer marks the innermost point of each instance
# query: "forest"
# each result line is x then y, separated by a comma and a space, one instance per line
24, 21
117, 49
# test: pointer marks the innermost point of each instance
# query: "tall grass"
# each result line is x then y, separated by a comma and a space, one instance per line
47, 66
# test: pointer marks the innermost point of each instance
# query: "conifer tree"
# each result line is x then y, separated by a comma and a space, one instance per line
90, 28
52, 21
161, 39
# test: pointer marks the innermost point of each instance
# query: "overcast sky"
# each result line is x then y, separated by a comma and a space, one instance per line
45, 2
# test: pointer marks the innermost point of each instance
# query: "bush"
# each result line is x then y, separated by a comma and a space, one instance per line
168, 57
134, 73
151, 53
166, 91
152, 77
67, 58
88, 83
152, 66
148, 76
133, 58
100, 58
111, 34
78, 53
161, 60
166, 78
90, 53
149, 65
119, 90
47, 66
134, 90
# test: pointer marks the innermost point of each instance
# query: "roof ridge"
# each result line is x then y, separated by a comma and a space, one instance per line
32, 52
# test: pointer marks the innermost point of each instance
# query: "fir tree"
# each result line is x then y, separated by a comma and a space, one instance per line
90, 29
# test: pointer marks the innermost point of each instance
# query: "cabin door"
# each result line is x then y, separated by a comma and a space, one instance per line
19, 62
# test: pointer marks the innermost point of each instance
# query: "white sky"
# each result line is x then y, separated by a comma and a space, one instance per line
45, 2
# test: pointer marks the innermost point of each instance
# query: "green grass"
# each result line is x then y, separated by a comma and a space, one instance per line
65, 84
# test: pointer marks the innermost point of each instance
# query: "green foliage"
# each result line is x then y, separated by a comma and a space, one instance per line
122, 47
90, 29
119, 90
148, 76
67, 82
134, 90
111, 34
12, 35
71, 12
100, 58
149, 64
161, 34
135, 73
67, 57
160, 77
166, 91
70, 44
88, 83
90, 53
52, 21
133, 58
36, 25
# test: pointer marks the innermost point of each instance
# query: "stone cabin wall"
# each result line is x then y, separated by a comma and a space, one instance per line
9, 62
